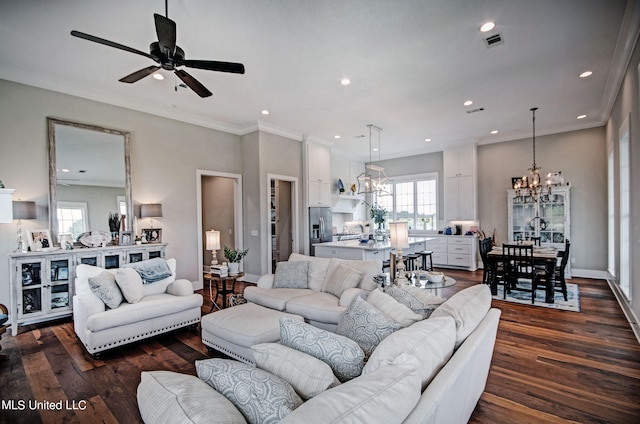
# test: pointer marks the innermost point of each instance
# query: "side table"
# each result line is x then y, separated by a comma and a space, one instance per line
222, 287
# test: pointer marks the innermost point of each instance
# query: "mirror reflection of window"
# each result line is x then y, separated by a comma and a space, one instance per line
72, 218
122, 206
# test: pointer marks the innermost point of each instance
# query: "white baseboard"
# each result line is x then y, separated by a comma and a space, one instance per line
626, 308
589, 273
250, 278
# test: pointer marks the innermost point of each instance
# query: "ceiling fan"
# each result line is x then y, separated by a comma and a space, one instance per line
168, 56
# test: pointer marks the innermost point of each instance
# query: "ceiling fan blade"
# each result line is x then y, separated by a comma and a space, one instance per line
193, 83
111, 44
166, 31
138, 75
212, 65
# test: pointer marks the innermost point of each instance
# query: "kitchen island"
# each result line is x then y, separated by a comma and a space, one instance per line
353, 249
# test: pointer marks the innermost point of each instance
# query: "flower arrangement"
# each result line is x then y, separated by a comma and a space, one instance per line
114, 222
234, 255
377, 213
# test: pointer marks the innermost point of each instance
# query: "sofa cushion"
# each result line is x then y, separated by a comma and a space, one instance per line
260, 396
321, 307
318, 268
340, 279
130, 284
392, 308
386, 395
369, 269
154, 306
418, 300
307, 375
273, 298
291, 275
430, 341
467, 307
169, 397
105, 287
366, 325
342, 354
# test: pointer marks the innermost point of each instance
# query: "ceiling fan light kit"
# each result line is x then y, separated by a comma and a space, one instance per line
168, 56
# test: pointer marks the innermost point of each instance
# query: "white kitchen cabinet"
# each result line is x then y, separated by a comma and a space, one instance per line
454, 251
318, 174
460, 192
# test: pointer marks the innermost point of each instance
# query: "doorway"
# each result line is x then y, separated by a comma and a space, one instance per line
283, 219
219, 207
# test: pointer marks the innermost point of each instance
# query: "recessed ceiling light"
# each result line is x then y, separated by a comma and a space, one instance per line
345, 81
158, 76
427, 140
65, 170
336, 136
375, 149
264, 112
494, 132
487, 26
586, 74
582, 116
468, 103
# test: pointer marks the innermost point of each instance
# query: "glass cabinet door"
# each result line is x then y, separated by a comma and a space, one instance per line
30, 291
522, 214
553, 214
59, 287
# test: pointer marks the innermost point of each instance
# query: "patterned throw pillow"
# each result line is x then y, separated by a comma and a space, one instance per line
104, 286
416, 299
261, 397
342, 354
366, 325
343, 277
291, 275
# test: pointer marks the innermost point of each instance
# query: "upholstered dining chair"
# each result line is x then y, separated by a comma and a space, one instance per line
519, 264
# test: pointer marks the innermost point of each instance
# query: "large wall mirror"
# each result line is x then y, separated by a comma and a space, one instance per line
89, 177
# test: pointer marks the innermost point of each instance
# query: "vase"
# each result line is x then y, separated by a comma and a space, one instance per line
234, 268
379, 235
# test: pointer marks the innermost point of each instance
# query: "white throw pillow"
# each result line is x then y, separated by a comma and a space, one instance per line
169, 397
307, 375
341, 279
105, 287
318, 268
392, 308
387, 395
431, 341
130, 284
467, 307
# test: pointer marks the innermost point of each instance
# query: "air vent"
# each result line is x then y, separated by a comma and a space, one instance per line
480, 109
494, 40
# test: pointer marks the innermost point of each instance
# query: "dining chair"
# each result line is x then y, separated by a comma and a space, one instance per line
557, 279
485, 245
518, 265
536, 240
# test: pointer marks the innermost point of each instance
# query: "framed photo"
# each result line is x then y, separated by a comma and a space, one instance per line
39, 239
152, 235
514, 181
126, 238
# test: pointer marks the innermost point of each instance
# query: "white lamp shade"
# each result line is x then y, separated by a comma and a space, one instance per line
24, 210
213, 240
151, 210
6, 210
399, 235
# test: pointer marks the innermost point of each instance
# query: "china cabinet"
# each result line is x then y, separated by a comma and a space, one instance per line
42, 283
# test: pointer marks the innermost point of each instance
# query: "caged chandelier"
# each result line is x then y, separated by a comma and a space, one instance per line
374, 180
529, 189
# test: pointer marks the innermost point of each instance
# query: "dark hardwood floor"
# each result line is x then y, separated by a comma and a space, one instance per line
549, 366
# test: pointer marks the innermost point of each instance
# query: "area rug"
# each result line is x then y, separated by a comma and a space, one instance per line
571, 304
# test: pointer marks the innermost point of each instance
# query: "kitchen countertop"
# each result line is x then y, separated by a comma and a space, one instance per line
379, 245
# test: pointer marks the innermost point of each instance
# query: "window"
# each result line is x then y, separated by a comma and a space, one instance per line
625, 197
414, 200
72, 218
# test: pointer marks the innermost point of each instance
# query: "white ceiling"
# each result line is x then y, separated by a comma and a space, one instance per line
412, 64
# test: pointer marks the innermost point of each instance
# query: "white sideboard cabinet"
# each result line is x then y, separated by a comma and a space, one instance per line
42, 283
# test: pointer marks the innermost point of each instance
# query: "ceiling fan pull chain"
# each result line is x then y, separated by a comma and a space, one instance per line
166, 8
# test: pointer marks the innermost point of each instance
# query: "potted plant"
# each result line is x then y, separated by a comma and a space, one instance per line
234, 256
377, 213
114, 226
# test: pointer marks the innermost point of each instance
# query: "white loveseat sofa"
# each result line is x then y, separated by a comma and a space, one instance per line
161, 306
316, 304
433, 371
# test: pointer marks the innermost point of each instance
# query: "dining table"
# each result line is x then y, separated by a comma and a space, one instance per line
542, 255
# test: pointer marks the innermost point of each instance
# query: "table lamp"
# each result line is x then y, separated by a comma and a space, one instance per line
23, 210
213, 244
151, 210
399, 236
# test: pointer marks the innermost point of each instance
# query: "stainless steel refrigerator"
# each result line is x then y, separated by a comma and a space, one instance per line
319, 227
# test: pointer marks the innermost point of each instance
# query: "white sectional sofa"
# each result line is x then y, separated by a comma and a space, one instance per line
159, 307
